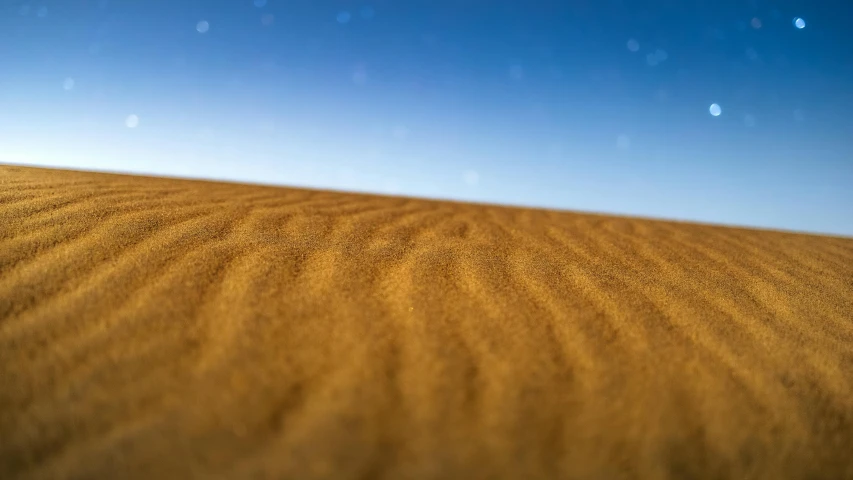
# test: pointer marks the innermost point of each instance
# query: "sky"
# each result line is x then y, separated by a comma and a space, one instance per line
726, 112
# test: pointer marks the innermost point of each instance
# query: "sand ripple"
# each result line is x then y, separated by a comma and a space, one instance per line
162, 328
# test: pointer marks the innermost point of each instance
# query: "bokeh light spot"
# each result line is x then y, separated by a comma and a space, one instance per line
715, 110
799, 23
132, 121
68, 84
657, 57
652, 60
267, 19
344, 17
756, 23
202, 26
633, 45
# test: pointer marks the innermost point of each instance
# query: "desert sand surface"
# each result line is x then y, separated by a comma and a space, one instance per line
174, 329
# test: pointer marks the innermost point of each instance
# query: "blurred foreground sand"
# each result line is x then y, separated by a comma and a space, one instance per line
161, 328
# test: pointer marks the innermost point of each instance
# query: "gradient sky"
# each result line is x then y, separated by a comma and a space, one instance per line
589, 105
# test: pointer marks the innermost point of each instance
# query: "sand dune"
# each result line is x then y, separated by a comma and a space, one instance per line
161, 328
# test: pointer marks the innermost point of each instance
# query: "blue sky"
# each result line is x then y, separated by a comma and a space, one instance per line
595, 105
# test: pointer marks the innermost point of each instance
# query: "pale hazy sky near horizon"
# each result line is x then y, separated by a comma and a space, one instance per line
589, 105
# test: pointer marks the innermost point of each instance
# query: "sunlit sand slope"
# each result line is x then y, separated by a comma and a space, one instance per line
161, 328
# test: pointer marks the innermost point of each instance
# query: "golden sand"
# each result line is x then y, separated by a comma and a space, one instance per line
175, 329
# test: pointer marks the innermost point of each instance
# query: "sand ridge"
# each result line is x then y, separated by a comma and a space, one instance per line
154, 327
